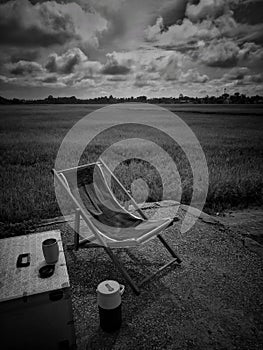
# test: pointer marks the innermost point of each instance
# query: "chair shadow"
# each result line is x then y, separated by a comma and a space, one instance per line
88, 271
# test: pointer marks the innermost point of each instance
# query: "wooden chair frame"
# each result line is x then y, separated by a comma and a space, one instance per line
89, 243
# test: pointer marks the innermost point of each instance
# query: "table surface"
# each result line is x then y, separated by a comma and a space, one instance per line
25, 281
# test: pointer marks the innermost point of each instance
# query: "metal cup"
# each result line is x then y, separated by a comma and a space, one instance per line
50, 250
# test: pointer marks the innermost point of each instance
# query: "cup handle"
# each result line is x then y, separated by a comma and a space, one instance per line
122, 288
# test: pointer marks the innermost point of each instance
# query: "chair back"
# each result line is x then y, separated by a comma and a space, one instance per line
89, 186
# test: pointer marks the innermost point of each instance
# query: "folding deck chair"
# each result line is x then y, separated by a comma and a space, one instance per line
111, 225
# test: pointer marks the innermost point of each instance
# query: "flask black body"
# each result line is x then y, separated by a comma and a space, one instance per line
110, 319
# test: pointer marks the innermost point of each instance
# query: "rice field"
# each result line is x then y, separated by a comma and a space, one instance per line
231, 138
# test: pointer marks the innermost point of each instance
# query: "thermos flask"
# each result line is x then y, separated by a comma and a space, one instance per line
109, 303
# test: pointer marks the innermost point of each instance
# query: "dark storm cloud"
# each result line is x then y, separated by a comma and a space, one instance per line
26, 55
25, 68
117, 78
116, 29
248, 11
22, 24
252, 34
223, 53
203, 9
208, 31
13, 33
189, 47
173, 11
237, 73
66, 63
51, 79
222, 62
65, 68
142, 80
114, 67
256, 78
242, 76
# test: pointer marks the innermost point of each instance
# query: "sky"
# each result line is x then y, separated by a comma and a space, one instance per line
90, 48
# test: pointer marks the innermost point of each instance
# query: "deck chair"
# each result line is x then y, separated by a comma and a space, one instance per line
110, 223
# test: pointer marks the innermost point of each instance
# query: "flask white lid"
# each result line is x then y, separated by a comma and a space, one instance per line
109, 294
108, 287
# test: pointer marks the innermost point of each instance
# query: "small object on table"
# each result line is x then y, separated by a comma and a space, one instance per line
23, 260
46, 271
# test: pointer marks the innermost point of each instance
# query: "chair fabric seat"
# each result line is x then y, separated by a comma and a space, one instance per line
132, 233
105, 212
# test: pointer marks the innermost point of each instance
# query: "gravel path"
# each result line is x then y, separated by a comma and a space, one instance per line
214, 300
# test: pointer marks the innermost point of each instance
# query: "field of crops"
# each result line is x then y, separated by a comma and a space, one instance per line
231, 137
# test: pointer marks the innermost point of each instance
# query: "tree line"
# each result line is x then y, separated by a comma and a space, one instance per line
225, 98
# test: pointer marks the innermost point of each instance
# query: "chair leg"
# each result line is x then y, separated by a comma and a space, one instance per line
76, 229
123, 271
176, 259
170, 249
85, 243
146, 279
75, 245
134, 286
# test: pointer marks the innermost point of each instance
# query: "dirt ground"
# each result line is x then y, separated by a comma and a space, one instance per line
214, 300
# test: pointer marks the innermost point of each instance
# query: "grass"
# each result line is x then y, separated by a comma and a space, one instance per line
31, 135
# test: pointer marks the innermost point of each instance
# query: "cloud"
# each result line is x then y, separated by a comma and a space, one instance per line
50, 79
207, 9
117, 78
25, 68
173, 67
5, 79
88, 24
23, 24
225, 53
47, 23
248, 11
126, 23
143, 79
242, 76
72, 67
170, 67
66, 63
250, 33
183, 33
253, 79
114, 66
222, 53
107, 5
173, 11
68, 69
207, 20
24, 55
152, 32
115, 69
193, 76
237, 73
